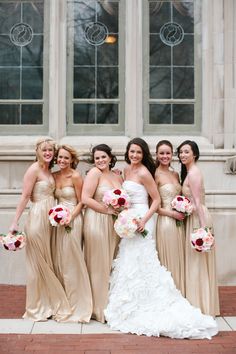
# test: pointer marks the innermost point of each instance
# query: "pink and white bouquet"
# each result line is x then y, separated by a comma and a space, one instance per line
117, 199
127, 223
59, 215
183, 205
13, 241
202, 240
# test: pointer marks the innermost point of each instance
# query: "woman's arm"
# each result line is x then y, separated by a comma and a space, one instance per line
89, 188
78, 184
150, 185
29, 181
195, 185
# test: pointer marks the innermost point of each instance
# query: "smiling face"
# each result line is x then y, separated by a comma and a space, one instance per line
45, 152
102, 160
164, 155
135, 154
186, 155
64, 159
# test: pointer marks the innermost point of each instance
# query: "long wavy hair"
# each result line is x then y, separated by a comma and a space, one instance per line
147, 160
196, 154
105, 148
72, 152
159, 144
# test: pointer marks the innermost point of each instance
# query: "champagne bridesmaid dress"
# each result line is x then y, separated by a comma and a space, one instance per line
100, 245
170, 238
201, 278
45, 297
68, 260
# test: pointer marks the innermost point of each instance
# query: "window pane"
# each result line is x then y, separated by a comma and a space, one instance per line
160, 82
84, 114
160, 114
9, 114
172, 61
183, 83
84, 82
32, 114
94, 51
32, 83
9, 53
9, 83
183, 114
21, 61
107, 113
107, 83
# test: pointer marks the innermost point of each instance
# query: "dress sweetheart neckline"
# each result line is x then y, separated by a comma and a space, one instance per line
46, 181
172, 184
129, 180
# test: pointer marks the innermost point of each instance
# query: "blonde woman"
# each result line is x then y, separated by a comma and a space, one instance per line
45, 296
68, 258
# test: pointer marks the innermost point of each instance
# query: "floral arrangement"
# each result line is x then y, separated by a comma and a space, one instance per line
183, 205
59, 215
127, 223
13, 241
202, 240
117, 199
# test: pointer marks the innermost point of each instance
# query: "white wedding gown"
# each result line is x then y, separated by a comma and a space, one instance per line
143, 298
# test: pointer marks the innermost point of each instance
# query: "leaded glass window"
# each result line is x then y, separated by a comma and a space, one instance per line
172, 95
22, 65
95, 58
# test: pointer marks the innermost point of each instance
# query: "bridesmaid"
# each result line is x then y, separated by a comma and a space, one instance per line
67, 254
201, 278
170, 238
100, 239
45, 297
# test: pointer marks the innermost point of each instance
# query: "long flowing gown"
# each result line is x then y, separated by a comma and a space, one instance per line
170, 238
45, 296
143, 298
201, 278
68, 260
100, 245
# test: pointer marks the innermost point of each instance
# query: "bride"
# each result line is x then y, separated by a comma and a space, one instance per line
143, 298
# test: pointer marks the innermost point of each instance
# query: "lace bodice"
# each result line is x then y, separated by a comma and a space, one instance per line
136, 191
167, 192
42, 190
66, 195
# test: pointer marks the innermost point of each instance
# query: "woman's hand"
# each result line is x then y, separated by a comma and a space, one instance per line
141, 225
13, 228
112, 211
177, 215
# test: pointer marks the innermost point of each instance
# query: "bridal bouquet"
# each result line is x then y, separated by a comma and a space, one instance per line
183, 205
59, 215
127, 223
13, 241
116, 198
202, 239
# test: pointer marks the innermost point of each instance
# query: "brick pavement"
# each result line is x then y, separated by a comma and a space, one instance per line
223, 343
12, 299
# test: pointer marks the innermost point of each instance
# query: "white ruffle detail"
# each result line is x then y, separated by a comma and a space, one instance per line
143, 298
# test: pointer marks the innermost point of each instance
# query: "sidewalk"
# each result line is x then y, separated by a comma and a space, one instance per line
22, 336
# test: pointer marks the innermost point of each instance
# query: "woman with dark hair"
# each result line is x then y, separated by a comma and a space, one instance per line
67, 245
143, 298
170, 238
45, 296
201, 279
100, 239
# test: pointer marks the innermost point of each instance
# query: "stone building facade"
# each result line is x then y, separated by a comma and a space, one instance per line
85, 72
